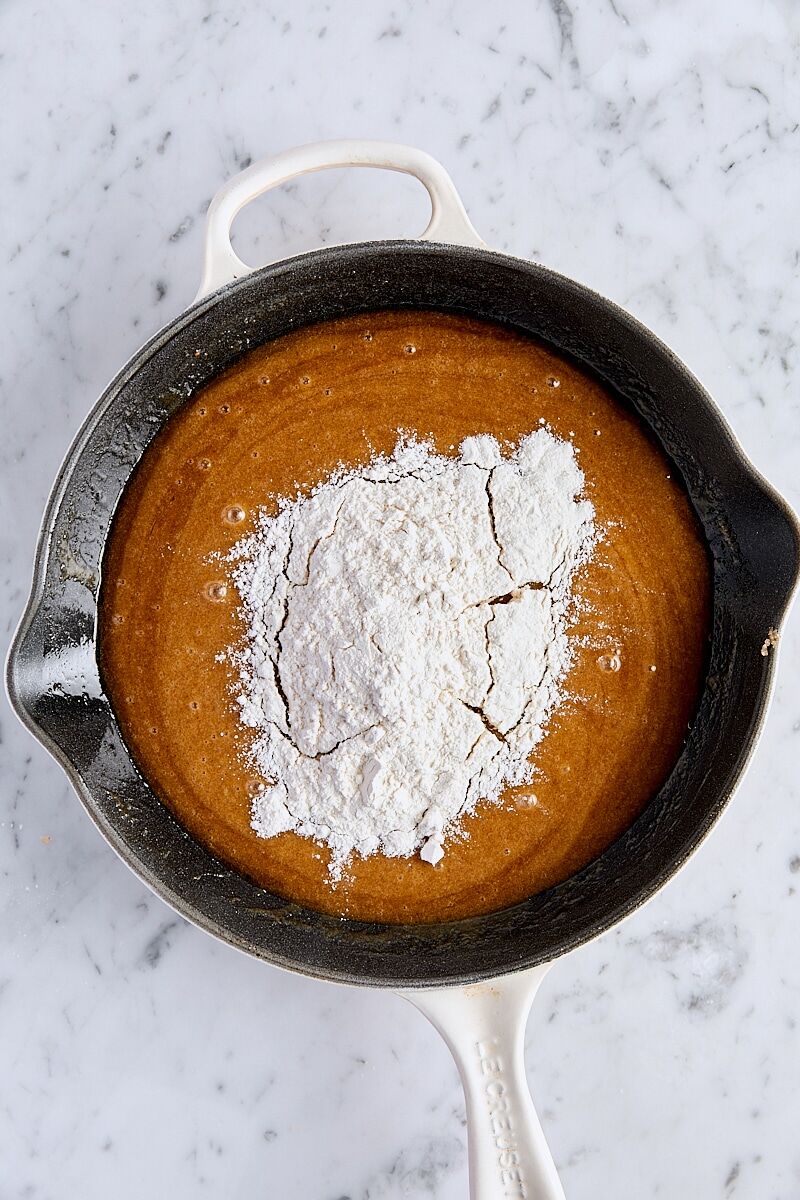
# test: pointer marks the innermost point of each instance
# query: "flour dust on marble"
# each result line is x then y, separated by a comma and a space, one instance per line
407, 640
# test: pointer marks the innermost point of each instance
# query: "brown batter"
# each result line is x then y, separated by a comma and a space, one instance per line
287, 414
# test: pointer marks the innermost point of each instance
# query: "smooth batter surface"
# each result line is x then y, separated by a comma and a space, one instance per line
285, 416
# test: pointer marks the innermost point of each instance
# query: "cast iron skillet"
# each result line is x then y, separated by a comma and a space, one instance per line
753, 538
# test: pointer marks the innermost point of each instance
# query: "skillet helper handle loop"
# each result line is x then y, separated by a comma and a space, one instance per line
484, 1027
449, 221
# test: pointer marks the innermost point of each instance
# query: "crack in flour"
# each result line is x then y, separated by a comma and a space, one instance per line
407, 640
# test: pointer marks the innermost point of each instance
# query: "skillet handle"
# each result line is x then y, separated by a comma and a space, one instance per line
449, 221
484, 1027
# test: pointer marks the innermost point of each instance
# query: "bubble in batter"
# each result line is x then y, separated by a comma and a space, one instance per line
234, 514
609, 662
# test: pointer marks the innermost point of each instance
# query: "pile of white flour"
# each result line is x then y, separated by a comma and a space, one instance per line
407, 640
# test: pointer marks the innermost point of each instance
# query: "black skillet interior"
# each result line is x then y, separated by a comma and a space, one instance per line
752, 536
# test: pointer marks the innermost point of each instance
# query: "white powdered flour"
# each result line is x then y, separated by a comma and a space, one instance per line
407, 640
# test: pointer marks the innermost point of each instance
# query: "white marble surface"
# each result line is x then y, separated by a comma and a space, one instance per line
649, 149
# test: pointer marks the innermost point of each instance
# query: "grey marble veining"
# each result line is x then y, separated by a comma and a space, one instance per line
650, 150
